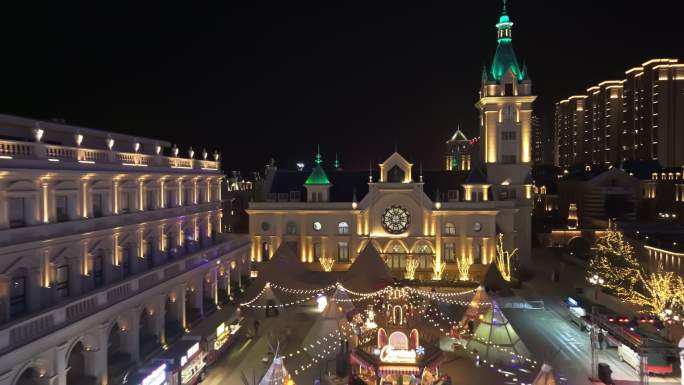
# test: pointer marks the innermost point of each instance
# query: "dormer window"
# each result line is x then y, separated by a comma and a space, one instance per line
508, 89
395, 175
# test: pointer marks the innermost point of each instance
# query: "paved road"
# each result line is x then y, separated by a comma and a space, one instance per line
549, 333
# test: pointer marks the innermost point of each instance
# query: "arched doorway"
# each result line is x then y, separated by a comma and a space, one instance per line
29, 377
172, 325
148, 341
579, 247
76, 364
118, 361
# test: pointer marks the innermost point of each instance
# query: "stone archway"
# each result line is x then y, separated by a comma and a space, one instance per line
28, 377
118, 361
76, 374
579, 247
172, 324
147, 339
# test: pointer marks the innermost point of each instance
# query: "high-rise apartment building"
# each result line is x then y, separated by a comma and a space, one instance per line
109, 250
631, 119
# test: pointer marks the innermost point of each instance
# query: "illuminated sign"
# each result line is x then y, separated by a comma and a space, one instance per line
572, 301
221, 329
193, 350
157, 377
388, 354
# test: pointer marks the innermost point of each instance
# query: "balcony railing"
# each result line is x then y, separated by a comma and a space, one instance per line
78, 226
16, 150
35, 326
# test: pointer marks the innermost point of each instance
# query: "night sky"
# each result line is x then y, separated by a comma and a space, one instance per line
259, 80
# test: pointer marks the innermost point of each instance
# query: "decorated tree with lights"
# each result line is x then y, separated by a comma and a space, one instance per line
411, 267
659, 291
438, 268
503, 258
463, 268
615, 262
327, 262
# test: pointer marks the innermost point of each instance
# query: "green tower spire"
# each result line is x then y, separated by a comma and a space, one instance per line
336, 164
318, 175
319, 159
504, 57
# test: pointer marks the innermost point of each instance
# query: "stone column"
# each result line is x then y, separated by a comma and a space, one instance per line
44, 205
85, 211
178, 306
61, 368
96, 356
214, 285
160, 319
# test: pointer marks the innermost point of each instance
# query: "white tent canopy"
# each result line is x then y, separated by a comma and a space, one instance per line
327, 323
341, 298
495, 339
545, 376
277, 374
478, 306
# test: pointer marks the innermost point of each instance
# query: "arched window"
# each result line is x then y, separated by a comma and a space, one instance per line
449, 229
291, 228
397, 249
423, 249
343, 228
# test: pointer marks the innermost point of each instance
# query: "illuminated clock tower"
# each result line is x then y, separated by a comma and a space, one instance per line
505, 107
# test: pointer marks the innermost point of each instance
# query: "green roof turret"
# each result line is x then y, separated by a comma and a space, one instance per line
504, 57
318, 175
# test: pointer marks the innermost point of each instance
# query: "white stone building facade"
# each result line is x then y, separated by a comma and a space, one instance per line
107, 246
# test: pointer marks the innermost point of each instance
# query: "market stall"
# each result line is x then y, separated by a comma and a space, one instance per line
219, 332
184, 362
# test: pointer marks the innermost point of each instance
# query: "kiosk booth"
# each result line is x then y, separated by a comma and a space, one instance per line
184, 362
219, 332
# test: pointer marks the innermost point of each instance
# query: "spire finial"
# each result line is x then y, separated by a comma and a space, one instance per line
319, 159
420, 177
336, 164
370, 171
504, 11
395, 147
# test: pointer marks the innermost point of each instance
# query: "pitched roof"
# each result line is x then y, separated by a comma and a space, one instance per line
317, 177
505, 59
492, 280
476, 177
346, 183
369, 272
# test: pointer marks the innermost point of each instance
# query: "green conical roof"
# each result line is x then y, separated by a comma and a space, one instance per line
504, 57
318, 176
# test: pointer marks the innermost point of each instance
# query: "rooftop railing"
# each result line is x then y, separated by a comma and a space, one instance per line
18, 150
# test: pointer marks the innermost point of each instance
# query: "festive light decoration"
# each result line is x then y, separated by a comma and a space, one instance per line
503, 258
438, 268
614, 261
660, 291
463, 268
412, 264
616, 264
327, 262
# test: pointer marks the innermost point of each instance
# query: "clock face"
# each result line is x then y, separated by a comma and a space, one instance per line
477, 226
317, 226
396, 220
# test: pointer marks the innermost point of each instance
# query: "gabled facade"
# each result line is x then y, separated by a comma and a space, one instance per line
397, 216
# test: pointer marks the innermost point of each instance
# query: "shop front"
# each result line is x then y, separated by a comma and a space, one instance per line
219, 332
185, 362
